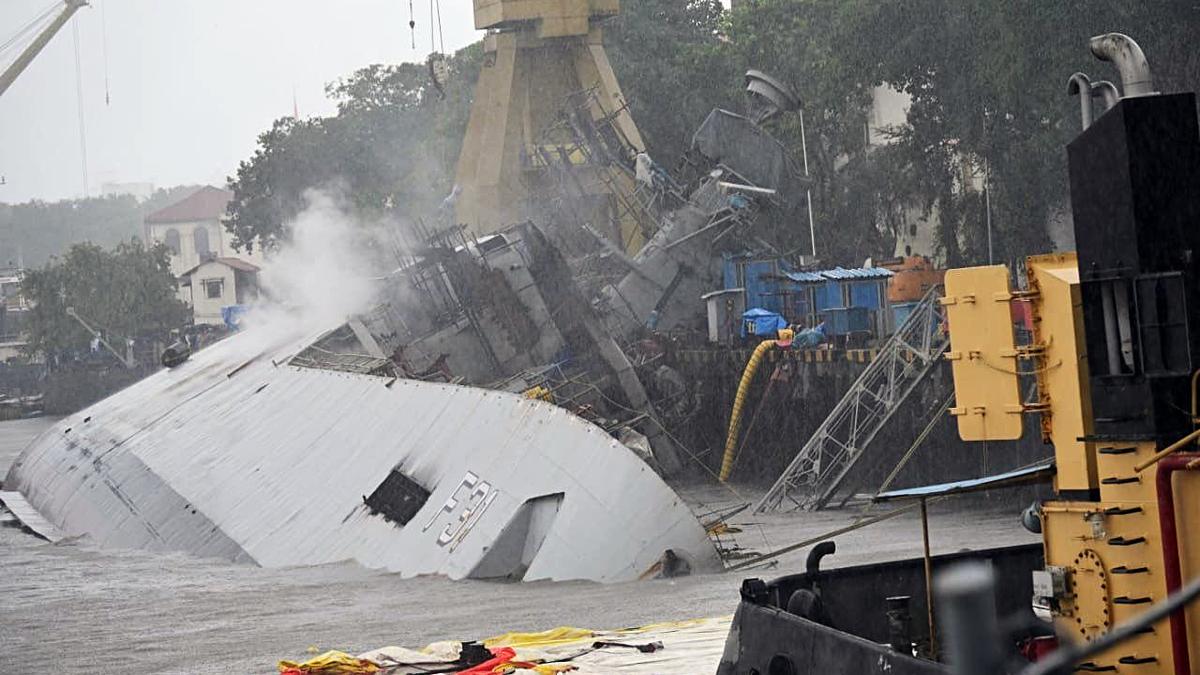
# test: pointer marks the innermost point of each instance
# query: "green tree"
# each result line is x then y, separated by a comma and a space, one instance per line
394, 143
986, 78
32, 232
391, 148
124, 292
669, 61
987, 81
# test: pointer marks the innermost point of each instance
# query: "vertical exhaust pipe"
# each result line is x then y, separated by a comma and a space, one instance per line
1107, 92
1127, 56
1080, 85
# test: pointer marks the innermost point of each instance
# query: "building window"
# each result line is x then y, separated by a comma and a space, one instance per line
200, 239
214, 288
171, 239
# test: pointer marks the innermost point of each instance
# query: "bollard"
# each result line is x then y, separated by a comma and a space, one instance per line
899, 618
967, 608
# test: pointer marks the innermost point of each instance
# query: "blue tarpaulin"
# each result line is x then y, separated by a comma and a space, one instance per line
762, 322
232, 316
811, 337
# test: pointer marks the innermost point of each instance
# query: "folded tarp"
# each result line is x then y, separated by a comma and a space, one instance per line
673, 648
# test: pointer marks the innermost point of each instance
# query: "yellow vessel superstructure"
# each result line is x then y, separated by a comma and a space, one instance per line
1113, 350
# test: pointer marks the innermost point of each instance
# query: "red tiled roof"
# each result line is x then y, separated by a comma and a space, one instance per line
239, 264
207, 203
236, 263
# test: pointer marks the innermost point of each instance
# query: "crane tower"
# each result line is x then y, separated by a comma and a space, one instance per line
540, 54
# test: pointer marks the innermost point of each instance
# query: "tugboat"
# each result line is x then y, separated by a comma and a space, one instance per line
1117, 371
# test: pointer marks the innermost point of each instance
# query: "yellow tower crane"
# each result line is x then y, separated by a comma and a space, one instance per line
538, 55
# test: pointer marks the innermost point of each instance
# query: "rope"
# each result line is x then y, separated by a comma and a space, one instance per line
412, 25
912, 450
441, 36
83, 158
104, 47
833, 533
1036, 371
34, 25
670, 435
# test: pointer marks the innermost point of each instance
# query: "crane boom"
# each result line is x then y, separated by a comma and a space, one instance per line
11, 74
126, 361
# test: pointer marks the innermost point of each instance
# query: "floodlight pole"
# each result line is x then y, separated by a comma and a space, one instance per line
812, 231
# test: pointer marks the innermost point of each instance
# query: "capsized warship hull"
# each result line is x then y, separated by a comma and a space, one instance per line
238, 453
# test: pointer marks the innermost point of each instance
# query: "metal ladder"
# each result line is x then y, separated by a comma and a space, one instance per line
818, 470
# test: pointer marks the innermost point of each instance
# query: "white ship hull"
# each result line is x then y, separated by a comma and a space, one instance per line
238, 454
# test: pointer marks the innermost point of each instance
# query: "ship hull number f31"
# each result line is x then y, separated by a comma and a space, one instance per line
470, 499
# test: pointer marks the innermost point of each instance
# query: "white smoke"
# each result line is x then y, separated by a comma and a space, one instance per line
321, 276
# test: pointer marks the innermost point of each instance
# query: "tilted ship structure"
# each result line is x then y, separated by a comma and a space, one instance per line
249, 451
425, 438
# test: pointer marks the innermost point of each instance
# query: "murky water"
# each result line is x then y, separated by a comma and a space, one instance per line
73, 607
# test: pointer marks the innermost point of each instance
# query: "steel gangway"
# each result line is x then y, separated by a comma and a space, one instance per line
828, 458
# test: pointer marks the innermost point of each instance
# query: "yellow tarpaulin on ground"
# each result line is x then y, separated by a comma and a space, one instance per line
688, 648
330, 663
546, 638
670, 648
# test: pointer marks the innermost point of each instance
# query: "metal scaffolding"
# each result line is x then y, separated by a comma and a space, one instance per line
825, 461
585, 155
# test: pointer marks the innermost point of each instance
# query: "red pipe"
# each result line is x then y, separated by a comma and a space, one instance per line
1170, 545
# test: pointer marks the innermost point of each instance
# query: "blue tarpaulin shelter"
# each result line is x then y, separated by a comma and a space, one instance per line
852, 299
762, 322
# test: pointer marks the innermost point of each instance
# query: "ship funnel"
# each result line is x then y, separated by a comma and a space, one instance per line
1123, 52
1081, 85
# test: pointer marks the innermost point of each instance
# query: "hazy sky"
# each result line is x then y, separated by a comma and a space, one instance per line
192, 83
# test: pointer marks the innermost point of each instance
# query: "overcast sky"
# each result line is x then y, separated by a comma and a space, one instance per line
192, 83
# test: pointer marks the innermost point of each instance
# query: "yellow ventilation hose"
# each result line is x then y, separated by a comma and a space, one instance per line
739, 401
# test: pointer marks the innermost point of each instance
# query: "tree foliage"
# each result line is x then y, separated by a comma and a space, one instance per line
986, 79
392, 146
394, 142
988, 83
32, 232
124, 292
669, 60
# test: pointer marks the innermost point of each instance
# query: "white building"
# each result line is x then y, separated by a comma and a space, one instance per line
192, 229
13, 315
218, 283
211, 273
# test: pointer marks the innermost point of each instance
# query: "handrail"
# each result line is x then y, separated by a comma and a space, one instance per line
1138, 468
